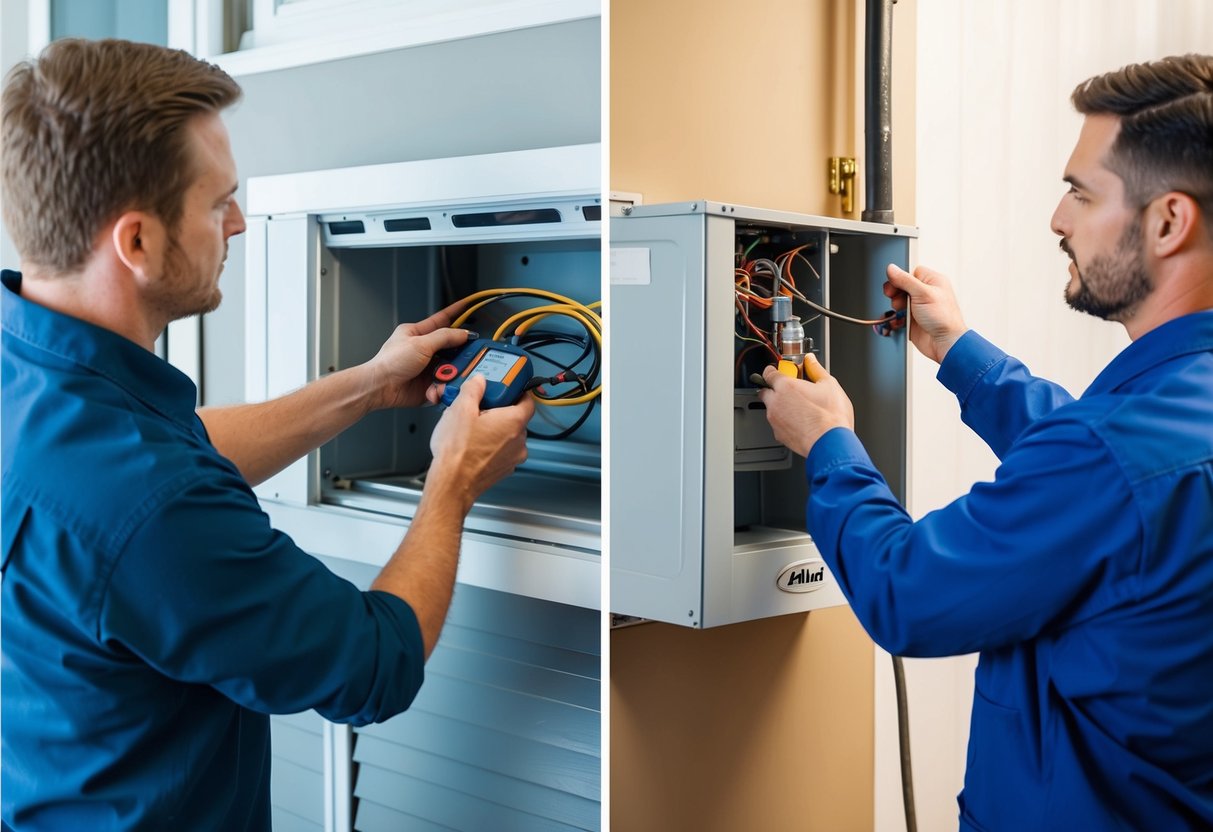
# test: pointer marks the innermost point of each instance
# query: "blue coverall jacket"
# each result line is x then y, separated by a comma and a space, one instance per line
151, 616
1083, 574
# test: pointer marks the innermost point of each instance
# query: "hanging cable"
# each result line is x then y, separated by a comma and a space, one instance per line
903, 745
783, 282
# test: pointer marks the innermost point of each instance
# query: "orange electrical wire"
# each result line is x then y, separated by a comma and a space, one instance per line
788, 257
757, 300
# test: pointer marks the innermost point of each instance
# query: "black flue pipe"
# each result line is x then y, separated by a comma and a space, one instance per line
878, 111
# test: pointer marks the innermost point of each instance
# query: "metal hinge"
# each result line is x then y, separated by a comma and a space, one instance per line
842, 180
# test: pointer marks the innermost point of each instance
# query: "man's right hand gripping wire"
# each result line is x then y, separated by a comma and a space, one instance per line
937, 323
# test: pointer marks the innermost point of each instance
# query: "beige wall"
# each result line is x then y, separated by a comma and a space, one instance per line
766, 725
763, 726
731, 101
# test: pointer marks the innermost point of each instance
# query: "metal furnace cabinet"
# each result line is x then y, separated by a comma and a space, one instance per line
336, 259
707, 510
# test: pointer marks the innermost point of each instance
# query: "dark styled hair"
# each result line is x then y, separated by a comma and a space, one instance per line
90, 129
1165, 141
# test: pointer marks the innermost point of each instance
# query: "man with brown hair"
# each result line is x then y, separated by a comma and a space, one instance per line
151, 617
1084, 573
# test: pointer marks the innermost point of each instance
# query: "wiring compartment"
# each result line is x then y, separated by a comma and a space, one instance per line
708, 509
380, 464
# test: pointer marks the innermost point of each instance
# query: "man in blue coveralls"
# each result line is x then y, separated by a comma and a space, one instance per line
151, 615
1094, 619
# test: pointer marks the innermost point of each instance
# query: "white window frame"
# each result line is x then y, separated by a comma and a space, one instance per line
289, 33
39, 32
193, 25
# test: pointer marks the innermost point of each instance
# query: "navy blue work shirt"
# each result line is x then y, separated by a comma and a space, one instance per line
150, 616
1083, 574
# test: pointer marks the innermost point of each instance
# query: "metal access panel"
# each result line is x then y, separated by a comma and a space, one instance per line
336, 259
707, 509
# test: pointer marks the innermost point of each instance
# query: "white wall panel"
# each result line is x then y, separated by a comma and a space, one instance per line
994, 130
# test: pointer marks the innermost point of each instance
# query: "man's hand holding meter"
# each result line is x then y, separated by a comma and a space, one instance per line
400, 370
801, 412
475, 448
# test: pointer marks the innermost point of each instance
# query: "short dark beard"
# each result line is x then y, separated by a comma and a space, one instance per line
177, 298
1116, 283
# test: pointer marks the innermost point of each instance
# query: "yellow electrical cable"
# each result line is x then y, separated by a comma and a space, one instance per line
493, 293
532, 316
588, 397
584, 314
568, 313
567, 307
471, 310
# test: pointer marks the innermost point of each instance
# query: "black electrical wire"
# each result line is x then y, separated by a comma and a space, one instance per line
588, 345
581, 420
530, 341
535, 353
586, 380
570, 430
581, 389
550, 339
444, 269
903, 744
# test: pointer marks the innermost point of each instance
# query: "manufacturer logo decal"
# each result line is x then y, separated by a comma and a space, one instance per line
802, 576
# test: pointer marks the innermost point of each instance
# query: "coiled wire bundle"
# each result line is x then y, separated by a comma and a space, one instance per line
572, 382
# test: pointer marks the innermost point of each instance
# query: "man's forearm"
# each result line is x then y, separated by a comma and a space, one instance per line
262, 439
422, 570
472, 450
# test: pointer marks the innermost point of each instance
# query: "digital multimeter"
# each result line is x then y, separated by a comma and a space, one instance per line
505, 367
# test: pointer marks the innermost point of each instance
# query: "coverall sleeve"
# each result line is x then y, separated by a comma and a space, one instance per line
1055, 534
999, 398
206, 591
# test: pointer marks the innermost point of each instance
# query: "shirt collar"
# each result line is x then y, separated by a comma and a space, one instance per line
1182, 336
144, 375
